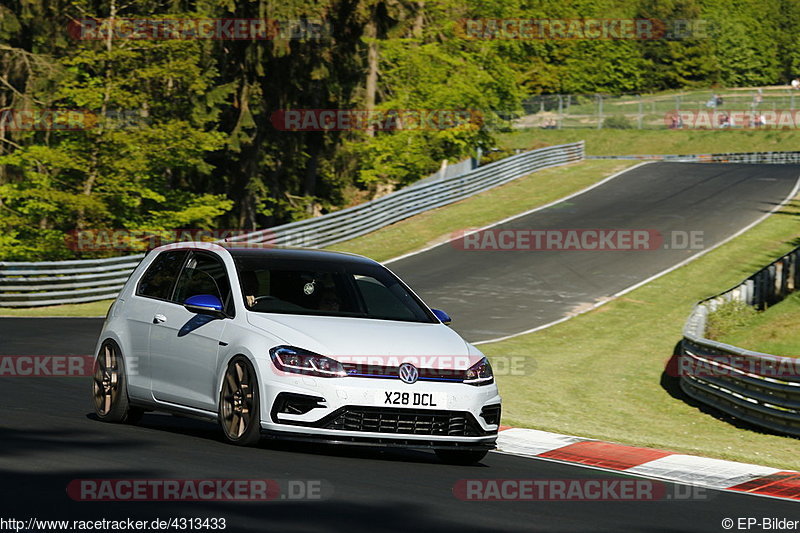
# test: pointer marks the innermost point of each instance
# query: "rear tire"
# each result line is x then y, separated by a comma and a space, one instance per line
239, 412
110, 387
461, 457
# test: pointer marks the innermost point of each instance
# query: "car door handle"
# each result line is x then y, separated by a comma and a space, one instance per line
159, 319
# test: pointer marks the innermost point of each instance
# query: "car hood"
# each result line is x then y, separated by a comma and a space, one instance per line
362, 337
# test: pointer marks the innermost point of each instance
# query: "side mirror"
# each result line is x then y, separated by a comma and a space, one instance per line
205, 304
443, 317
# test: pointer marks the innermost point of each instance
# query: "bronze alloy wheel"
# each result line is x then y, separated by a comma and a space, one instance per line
106, 380
109, 391
239, 412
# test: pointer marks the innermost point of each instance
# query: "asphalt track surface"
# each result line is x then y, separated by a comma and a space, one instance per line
48, 436
492, 294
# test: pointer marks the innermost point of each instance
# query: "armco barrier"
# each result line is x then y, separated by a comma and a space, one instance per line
761, 158
759, 388
26, 284
365, 218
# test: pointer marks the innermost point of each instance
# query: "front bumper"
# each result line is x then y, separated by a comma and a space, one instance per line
347, 410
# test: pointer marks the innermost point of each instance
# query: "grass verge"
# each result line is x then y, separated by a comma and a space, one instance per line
87, 309
629, 142
599, 375
728, 318
771, 331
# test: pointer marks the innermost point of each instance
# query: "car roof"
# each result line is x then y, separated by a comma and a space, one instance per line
266, 251
302, 254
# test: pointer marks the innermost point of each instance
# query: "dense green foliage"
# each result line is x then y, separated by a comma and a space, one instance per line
184, 137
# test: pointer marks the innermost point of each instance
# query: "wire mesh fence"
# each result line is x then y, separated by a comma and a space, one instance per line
709, 108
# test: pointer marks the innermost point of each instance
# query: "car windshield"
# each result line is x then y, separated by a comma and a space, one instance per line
325, 288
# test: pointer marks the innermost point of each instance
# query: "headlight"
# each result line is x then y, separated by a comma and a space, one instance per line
299, 361
480, 373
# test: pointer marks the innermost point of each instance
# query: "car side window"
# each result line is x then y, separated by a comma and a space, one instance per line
204, 274
160, 277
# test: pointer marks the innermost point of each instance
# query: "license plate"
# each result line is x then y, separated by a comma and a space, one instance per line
420, 400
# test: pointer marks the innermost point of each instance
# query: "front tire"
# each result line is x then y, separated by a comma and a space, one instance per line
461, 457
109, 387
239, 412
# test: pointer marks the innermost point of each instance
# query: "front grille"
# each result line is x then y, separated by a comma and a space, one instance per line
404, 421
393, 372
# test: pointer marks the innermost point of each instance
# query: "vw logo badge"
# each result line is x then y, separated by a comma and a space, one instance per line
408, 373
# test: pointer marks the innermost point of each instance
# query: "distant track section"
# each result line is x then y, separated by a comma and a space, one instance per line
493, 293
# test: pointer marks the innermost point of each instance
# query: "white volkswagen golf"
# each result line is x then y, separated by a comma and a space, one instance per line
292, 343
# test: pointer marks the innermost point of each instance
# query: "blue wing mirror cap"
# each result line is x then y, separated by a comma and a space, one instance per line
443, 317
204, 304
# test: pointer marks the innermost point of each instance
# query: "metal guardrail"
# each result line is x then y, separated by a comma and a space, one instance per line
32, 284
370, 216
735, 157
759, 388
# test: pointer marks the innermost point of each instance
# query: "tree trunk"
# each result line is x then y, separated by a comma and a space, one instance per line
314, 150
371, 32
419, 20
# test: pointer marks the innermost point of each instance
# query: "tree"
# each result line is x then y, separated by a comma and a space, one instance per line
130, 160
